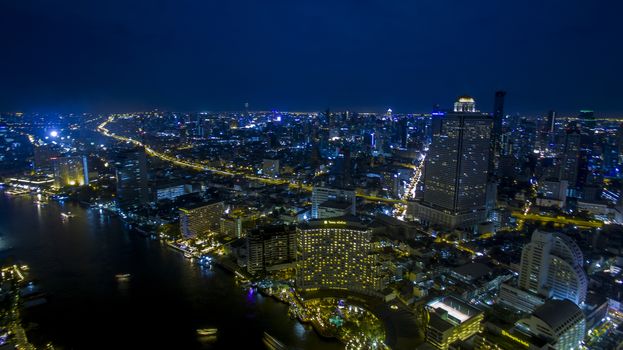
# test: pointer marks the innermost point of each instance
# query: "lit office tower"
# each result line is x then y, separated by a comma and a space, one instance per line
70, 171
551, 265
456, 167
496, 131
270, 247
569, 169
322, 196
335, 254
131, 175
201, 218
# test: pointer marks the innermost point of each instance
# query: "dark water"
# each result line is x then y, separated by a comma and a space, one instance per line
162, 305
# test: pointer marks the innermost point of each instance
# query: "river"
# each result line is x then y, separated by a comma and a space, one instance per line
166, 299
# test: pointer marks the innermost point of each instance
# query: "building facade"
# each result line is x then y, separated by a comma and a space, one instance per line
456, 169
450, 319
336, 254
560, 322
131, 176
201, 218
321, 195
70, 171
551, 265
270, 246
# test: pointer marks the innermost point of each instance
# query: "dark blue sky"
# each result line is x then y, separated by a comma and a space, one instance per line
112, 55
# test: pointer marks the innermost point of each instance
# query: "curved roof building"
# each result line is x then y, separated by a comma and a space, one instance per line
551, 265
560, 322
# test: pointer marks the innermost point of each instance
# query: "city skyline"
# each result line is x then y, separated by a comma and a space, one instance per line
311, 175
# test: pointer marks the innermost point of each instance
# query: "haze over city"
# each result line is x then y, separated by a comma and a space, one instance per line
417, 175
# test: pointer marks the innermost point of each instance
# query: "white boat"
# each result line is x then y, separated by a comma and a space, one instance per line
123, 276
207, 331
67, 215
273, 343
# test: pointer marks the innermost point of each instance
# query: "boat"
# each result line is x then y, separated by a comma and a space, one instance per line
123, 276
272, 342
204, 332
67, 215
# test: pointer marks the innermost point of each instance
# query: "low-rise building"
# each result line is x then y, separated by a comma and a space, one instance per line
449, 320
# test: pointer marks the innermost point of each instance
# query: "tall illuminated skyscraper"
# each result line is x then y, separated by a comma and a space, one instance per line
569, 170
131, 175
551, 265
496, 132
456, 169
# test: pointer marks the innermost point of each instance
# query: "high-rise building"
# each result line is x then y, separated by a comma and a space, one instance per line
70, 171
321, 195
131, 176
559, 322
456, 169
587, 118
403, 132
551, 122
336, 254
201, 218
449, 320
269, 247
346, 169
496, 131
551, 265
570, 167
465, 104
44, 156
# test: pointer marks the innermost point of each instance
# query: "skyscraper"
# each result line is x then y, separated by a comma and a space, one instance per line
456, 169
571, 156
496, 131
587, 117
551, 265
131, 176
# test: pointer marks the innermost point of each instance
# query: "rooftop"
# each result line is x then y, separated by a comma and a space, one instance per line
459, 310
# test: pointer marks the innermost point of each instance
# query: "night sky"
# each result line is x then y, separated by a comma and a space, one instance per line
115, 55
